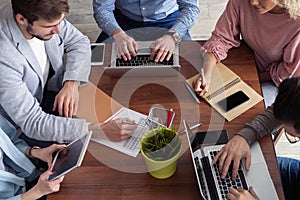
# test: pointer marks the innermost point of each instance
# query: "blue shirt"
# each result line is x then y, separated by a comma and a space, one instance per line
12, 181
146, 11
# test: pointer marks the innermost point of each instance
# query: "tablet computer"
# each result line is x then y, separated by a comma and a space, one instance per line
70, 157
98, 50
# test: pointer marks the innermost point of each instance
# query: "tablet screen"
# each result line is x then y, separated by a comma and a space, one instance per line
97, 53
69, 158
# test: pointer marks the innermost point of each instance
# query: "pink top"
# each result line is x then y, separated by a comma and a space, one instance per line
274, 38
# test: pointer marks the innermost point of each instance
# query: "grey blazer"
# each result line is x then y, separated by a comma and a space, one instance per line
21, 78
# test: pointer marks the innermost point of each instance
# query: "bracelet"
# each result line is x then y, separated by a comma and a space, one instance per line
30, 151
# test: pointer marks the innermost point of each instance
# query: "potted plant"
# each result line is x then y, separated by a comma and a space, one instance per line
161, 148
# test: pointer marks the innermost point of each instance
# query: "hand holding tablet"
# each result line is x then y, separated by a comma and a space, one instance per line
69, 158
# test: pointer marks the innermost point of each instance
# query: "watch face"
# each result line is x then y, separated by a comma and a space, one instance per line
176, 37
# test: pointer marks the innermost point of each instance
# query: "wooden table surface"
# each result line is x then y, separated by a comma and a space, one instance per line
108, 174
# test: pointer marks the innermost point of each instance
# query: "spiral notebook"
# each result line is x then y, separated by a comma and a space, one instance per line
228, 93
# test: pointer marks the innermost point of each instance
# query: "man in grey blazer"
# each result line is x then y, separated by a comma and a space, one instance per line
42, 53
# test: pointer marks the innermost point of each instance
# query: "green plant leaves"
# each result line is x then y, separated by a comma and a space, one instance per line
161, 143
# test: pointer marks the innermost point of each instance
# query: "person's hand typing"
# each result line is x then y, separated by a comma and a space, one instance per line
162, 49
236, 149
240, 194
125, 45
114, 130
66, 101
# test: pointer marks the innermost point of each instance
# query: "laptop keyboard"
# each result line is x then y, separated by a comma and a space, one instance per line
134, 141
227, 182
222, 184
142, 60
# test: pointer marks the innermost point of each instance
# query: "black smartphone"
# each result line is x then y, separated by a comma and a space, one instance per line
98, 50
233, 101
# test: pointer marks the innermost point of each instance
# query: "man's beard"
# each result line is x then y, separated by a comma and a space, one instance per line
40, 37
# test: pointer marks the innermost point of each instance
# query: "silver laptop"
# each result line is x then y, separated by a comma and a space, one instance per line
212, 187
142, 65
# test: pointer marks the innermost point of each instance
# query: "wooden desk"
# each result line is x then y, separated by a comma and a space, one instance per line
117, 177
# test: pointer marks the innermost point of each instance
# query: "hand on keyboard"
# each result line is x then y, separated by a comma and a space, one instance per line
142, 60
163, 47
126, 46
236, 149
114, 130
240, 194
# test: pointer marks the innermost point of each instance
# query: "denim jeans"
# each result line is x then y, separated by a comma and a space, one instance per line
290, 177
143, 31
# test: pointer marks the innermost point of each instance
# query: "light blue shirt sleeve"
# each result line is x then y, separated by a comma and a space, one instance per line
189, 13
10, 130
104, 16
146, 10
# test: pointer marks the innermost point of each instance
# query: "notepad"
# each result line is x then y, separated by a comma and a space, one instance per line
228, 93
130, 146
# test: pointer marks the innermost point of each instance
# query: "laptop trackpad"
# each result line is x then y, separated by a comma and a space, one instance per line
259, 178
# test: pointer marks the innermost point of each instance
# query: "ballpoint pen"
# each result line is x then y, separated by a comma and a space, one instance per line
203, 84
170, 115
192, 127
127, 122
192, 92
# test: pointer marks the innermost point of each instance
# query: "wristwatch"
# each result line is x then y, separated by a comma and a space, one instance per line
30, 151
175, 36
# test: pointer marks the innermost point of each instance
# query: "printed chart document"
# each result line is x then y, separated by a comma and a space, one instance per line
228, 93
96, 106
130, 146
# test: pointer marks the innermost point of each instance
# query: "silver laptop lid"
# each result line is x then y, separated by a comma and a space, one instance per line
190, 136
149, 69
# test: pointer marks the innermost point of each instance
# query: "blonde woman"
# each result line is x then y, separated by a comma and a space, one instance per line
271, 28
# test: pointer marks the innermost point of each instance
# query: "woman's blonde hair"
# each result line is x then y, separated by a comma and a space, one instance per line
292, 7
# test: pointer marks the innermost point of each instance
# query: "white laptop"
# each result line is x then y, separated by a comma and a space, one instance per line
141, 65
212, 187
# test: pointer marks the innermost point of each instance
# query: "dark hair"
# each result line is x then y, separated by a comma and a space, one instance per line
287, 102
32, 10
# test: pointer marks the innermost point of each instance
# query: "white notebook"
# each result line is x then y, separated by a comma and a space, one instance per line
130, 146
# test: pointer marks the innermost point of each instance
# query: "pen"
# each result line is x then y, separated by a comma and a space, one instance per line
127, 122
170, 114
203, 80
191, 90
192, 127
